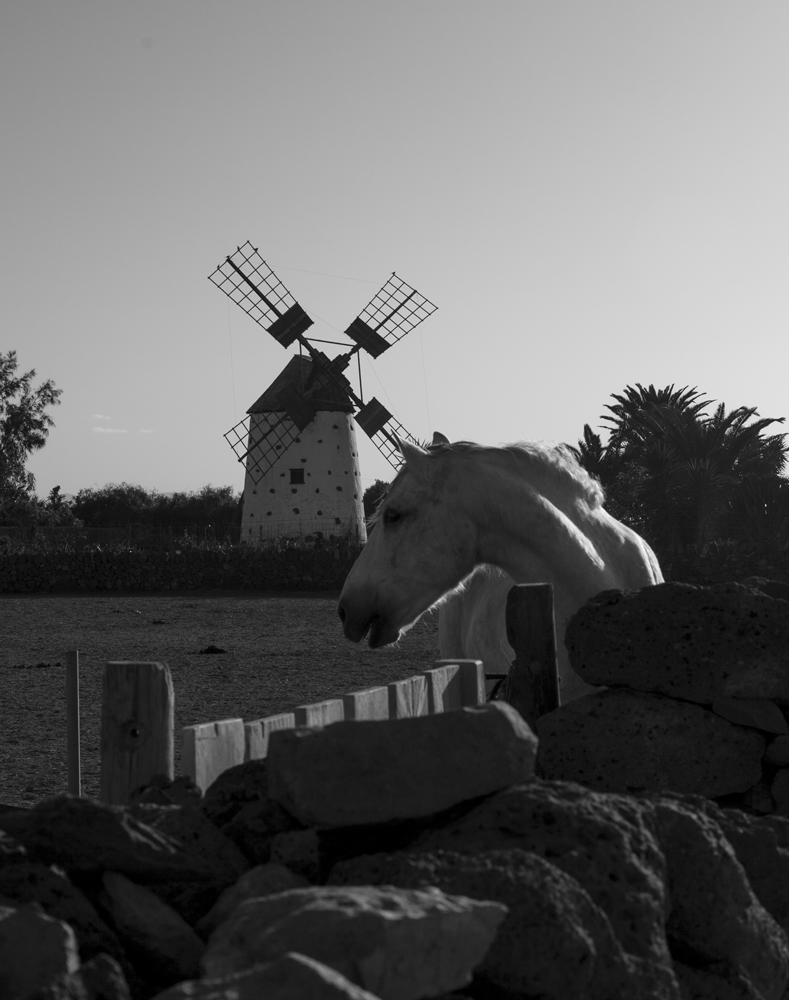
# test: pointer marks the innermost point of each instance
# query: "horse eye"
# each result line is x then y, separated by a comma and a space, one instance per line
390, 516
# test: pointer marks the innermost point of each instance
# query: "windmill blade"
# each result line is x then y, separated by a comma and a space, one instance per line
390, 314
260, 444
383, 430
248, 280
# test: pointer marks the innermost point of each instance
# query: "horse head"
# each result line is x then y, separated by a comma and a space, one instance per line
422, 547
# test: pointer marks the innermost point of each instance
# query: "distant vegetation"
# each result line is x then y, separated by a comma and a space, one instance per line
121, 504
685, 478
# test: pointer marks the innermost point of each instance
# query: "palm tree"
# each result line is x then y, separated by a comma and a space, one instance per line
635, 402
681, 477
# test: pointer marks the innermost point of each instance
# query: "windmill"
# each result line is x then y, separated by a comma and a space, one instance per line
307, 414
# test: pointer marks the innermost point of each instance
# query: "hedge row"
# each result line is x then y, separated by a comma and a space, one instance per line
721, 562
242, 567
233, 567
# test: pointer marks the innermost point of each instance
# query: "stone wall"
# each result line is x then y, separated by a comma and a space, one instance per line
692, 694
237, 567
443, 872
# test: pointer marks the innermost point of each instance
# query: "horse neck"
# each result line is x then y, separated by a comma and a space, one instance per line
518, 526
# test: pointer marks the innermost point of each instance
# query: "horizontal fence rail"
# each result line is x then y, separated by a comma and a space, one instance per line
137, 729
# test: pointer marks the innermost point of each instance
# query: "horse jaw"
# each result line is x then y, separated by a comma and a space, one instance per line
380, 620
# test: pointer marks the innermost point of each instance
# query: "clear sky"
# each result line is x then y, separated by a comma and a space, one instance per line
593, 193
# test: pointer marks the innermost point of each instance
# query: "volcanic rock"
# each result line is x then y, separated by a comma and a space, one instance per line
86, 838
262, 880
291, 977
777, 752
627, 741
58, 898
685, 641
164, 945
101, 978
354, 773
554, 943
235, 788
399, 944
217, 853
715, 915
34, 949
605, 842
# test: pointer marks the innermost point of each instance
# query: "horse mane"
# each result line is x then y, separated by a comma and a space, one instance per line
535, 458
555, 461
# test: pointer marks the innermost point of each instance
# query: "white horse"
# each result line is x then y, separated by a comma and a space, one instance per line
523, 513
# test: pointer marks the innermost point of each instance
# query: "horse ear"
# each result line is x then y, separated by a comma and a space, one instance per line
438, 438
412, 453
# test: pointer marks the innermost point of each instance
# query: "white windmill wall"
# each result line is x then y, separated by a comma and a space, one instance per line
330, 497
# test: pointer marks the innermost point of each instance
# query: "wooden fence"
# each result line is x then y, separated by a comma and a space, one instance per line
137, 728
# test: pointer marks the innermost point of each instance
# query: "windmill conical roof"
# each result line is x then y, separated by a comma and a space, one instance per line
296, 373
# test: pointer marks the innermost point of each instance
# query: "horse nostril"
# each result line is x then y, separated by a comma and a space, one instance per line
341, 613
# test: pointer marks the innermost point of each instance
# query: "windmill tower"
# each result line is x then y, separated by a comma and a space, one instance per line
298, 440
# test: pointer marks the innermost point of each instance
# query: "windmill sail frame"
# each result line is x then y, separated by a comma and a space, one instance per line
394, 311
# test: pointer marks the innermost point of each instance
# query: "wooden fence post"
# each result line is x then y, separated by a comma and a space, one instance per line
209, 748
408, 698
372, 703
533, 684
257, 733
453, 684
137, 738
321, 713
72, 723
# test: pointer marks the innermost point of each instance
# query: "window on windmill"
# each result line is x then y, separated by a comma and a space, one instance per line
297, 476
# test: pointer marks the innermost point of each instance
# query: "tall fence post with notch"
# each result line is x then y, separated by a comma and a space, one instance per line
72, 723
533, 683
137, 734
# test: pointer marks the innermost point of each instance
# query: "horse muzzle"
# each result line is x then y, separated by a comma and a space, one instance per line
357, 625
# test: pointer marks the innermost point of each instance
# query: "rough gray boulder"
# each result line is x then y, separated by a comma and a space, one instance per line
235, 788
193, 829
99, 979
163, 944
291, 977
627, 741
715, 915
715, 981
605, 842
399, 944
685, 641
554, 943
216, 852
87, 838
354, 773
761, 844
59, 898
262, 880
34, 950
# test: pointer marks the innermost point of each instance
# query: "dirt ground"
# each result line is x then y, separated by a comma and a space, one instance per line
281, 651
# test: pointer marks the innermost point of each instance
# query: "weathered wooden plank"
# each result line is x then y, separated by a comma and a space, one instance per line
470, 678
533, 684
137, 737
72, 723
209, 748
322, 713
453, 684
408, 698
443, 688
372, 703
256, 733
